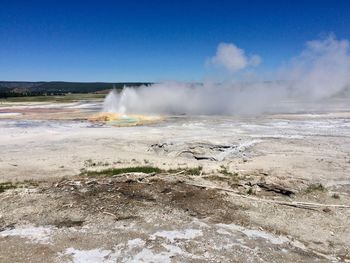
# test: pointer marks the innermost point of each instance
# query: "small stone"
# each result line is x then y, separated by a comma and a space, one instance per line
326, 210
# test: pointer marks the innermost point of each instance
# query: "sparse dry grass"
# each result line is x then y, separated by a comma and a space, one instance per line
315, 187
116, 171
140, 169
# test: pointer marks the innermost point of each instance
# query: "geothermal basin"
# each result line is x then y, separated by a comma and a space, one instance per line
217, 193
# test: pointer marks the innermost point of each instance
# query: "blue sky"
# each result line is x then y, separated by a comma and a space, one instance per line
154, 40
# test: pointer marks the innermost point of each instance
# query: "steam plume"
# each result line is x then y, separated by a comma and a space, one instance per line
320, 72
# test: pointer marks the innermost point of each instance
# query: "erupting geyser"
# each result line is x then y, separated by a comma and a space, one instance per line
114, 113
111, 102
321, 72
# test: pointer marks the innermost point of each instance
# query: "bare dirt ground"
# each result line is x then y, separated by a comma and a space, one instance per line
273, 188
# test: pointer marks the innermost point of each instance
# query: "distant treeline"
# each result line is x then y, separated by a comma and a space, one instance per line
20, 89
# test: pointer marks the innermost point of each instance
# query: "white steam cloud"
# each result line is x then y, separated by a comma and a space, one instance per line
322, 70
319, 73
199, 99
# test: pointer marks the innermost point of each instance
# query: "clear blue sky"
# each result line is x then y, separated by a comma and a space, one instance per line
154, 40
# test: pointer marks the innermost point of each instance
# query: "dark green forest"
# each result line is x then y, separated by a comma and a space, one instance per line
22, 89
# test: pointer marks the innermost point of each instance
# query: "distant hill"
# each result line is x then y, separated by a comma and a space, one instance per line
24, 88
